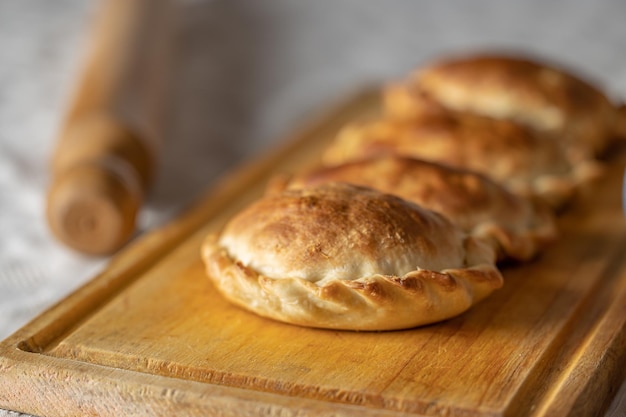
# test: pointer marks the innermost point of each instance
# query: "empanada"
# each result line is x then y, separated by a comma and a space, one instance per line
340, 256
508, 153
514, 225
528, 91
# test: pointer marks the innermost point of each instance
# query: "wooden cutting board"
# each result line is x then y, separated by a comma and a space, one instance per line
151, 336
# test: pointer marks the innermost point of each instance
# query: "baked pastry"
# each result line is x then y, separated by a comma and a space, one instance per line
518, 158
340, 256
515, 226
536, 94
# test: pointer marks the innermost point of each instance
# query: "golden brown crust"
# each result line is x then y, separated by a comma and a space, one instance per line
537, 94
346, 257
518, 158
476, 204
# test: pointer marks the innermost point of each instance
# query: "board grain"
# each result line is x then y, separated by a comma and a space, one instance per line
151, 336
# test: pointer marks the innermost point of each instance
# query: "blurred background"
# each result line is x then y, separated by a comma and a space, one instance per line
246, 74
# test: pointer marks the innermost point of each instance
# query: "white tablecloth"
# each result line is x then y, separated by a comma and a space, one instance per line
248, 72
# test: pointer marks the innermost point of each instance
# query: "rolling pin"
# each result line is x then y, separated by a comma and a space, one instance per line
105, 156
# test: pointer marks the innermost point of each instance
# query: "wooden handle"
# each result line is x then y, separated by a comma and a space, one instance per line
105, 157
621, 122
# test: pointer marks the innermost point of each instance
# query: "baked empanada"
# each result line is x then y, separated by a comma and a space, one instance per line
340, 256
508, 153
536, 94
516, 227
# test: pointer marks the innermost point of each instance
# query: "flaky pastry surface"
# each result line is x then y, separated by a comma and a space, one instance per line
526, 90
346, 257
517, 227
518, 158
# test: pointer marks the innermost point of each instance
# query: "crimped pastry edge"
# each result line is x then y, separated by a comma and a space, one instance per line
372, 303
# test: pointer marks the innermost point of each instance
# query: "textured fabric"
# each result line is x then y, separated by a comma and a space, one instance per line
247, 73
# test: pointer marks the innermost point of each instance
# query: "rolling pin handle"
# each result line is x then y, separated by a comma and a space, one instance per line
101, 172
93, 207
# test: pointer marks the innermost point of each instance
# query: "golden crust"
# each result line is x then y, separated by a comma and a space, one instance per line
536, 94
479, 206
520, 159
346, 257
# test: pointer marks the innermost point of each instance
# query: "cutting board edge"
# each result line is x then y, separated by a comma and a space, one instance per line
593, 371
58, 390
